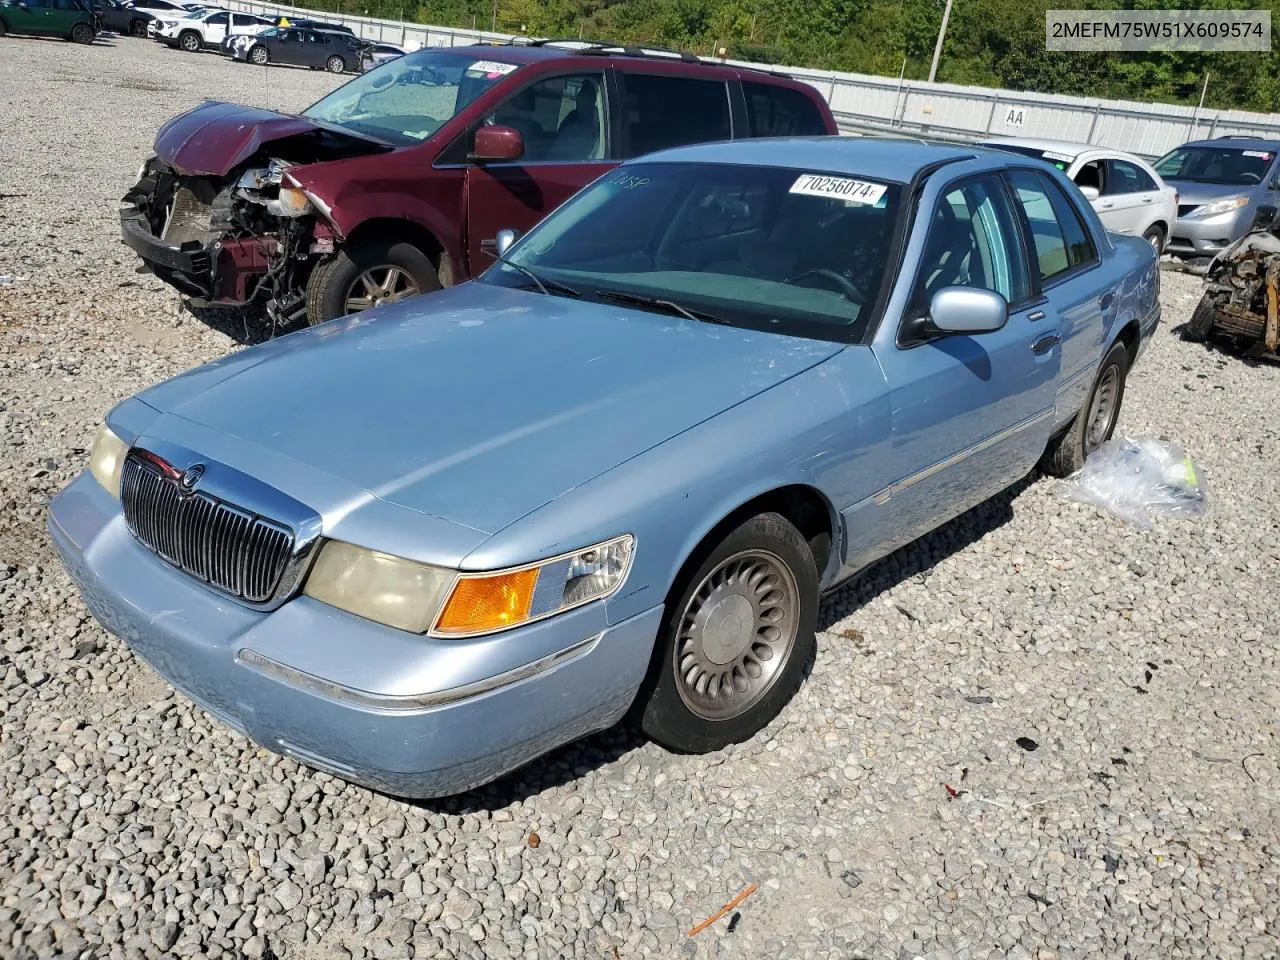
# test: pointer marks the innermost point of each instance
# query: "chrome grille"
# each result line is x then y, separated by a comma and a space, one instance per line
232, 549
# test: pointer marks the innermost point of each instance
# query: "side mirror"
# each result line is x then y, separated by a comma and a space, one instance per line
967, 310
1090, 193
497, 144
504, 241
1275, 183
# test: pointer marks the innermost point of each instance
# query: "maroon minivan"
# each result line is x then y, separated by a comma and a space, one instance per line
398, 182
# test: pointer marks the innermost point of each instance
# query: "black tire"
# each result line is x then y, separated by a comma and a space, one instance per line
190, 41
1066, 452
83, 33
138, 28
259, 55
4, 28
1155, 237
331, 282
336, 64
663, 712
1202, 320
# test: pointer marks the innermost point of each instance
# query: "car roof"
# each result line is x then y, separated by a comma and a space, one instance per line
1236, 143
887, 159
1066, 148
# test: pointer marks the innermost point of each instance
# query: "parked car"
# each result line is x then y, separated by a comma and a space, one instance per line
1126, 192
208, 29
121, 18
160, 9
376, 54
398, 182
69, 19
717, 382
1241, 291
237, 37
1227, 188
299, 47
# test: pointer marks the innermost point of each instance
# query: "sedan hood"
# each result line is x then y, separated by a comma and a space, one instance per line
480, 404
215, 137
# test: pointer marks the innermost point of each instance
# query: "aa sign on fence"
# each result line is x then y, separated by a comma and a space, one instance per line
1014, 116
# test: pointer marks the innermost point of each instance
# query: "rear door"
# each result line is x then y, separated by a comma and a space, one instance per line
1066, 257
566, 121
774, 111
661, 110
62, 15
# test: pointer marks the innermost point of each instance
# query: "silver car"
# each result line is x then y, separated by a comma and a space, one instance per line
1226, 187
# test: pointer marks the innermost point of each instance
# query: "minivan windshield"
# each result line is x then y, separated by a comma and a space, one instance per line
1233, 166
797, 252
406, 100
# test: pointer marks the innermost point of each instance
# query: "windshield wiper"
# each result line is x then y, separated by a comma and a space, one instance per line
546, 285
670, 306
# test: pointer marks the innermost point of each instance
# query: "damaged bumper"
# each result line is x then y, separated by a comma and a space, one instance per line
188, 266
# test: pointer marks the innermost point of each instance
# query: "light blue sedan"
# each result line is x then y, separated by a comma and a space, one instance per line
421, 546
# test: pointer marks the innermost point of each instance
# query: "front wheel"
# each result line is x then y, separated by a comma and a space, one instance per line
259, 55
139, 29
3, 28
83, 33
369, 275
190, 41
1095, 421
1202, 319
336, 64
736, 638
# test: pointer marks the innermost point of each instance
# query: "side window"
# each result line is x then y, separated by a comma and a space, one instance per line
1092, 175
662, 112
781, 112
1060, 239
973, 242
65, 5
561, 119
217, 20
1126, 177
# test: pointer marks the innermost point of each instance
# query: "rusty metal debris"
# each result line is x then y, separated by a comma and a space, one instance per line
1242, 296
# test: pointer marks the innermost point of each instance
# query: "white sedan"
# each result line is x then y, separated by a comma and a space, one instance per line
1127, 193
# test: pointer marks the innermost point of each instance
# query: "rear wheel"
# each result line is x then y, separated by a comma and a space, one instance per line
138, 28
260, 55
1155, 237
83, 33
735, 640
189, 41
3, 28
369, 275
1095, 421
1201, 323
336, 64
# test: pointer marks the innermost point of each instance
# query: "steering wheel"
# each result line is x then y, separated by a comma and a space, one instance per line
844, 284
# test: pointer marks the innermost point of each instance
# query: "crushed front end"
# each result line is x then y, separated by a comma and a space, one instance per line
227, 240
1242, 295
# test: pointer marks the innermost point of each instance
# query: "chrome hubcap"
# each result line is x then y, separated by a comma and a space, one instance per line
379, 285
1102, 411
736, 634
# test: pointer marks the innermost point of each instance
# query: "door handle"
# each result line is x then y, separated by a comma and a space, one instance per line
1107, 299
1146, 199
1045, 344
1108, 203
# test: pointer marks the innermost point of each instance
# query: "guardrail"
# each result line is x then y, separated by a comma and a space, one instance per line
911, 107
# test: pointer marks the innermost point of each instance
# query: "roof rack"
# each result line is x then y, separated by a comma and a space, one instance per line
629, 50
1239, 136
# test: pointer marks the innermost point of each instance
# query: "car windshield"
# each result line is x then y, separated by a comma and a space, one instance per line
798, 252
407, 99
1234, 166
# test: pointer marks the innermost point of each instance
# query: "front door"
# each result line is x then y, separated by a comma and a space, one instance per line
970, 413
564, 121
290, 47
1128, 199
30, 17
215, 29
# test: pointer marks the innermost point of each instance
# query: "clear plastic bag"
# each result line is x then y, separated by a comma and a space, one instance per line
1140, 480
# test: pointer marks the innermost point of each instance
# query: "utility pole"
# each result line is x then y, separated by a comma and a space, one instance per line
1195, 120
937, 50
494, 28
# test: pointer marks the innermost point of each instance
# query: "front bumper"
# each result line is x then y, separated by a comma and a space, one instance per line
403, 714
1207, 237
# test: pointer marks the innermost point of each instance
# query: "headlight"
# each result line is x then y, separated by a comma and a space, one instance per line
378, 586
420, 598
1219, 206
486, 602
292, 202
107, 459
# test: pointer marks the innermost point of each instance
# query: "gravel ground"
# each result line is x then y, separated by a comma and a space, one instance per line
1039, 732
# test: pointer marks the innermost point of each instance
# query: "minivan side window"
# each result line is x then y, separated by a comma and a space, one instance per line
1061, 241
661, 112
562, 119
774, 111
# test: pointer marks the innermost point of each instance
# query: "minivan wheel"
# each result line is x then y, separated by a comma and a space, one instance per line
1095, 421
259, 55
190, 41
336, 64
362, 276
736, 639
83, 33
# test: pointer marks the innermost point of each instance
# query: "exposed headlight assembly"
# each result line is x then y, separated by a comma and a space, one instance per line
424, 599
1219, 206
106, 460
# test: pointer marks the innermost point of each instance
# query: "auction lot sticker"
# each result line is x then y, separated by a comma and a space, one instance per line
838, 188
